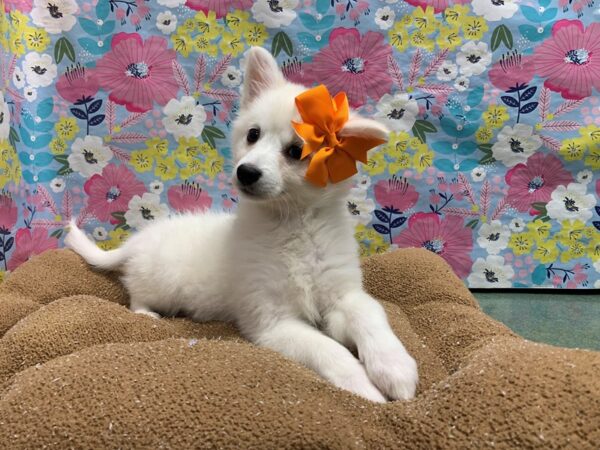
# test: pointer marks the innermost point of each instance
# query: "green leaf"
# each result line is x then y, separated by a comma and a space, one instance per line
57, 233
485, 148
472, 224
281, 41
119, 215
421, 127
539, 206
63, 47
65, 170
13, 137
487, 159
502, 35
210, 133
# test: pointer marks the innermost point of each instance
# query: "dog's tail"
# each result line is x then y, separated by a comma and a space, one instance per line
79, 242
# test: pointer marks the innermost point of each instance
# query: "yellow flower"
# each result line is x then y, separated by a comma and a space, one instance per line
36, 39
66, 128
402, 161
214, 165
495, 116
182, 43
574, 250
590, 135
571, 231
256, 34
376, 163
474, 28
593, 159
231, 44
141, 160
521, 243
398, 36
192, 168
593, 248
5, 174
456, 14
57, 146
116, 238
157, 146
237, 21
7, 152
546, 252
423, 159
539, 229
187, 27
448, 38
16, 45
572, 149
205, 46
18, 21
414, 143
419, 39
188, 149
425, 20
483, 135
370, 241
397, 143
2, 276
208, 25
166, 168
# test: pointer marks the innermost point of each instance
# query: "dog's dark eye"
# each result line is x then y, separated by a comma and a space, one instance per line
294, 151
253, 135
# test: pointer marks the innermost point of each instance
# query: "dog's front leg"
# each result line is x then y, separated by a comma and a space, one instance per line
358, 320
305, 344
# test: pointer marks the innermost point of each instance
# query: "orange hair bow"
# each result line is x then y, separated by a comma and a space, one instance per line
334, 157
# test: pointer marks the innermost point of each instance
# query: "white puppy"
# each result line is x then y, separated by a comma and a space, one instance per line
284, 268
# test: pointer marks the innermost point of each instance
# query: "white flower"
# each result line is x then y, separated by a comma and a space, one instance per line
18, 78
516, 144
184, 117
597, 267
398, 112
30, 94
473, 58
571, 202
274, 14
493, 237
517, 225
363, 182
156, 186
232, 77
58, 185
384, 17
54, 16
89, 156
585, 176
171, 3
145, 209
478, 174
491, 272
597, 282
39, 69
4, 117
100, 234
495, 10
447, 71
166, 22
462, 84
360, 206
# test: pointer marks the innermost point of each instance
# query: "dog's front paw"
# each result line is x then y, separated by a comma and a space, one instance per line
394, 372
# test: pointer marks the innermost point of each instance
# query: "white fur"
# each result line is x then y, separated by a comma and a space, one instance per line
284, 268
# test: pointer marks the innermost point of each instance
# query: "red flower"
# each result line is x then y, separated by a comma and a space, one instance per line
111, 191
8, 212
396, 193
220, 7
138, 73
28, 243
354, 64
535, 181
448, 238
188, 197
77, 83
512, 70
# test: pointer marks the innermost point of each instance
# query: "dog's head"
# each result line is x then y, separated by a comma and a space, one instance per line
266, 148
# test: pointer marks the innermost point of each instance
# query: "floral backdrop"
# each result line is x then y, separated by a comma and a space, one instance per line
117, 112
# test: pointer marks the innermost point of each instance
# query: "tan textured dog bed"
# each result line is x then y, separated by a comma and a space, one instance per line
78, 370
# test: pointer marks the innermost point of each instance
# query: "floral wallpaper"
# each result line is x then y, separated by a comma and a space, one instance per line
117, 112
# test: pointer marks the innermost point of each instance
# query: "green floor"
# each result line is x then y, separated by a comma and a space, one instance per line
568, 320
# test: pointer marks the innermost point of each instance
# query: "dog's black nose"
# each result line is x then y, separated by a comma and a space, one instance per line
248, 174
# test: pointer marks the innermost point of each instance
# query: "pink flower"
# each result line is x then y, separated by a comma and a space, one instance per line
188, 196
354, 64
534, 182
111, 191
438, 5
137, 73
570, 59
28, 243
448, 238
598, 188
396, 193
8, 212
77, 83
511, 71
24, 6
220, 7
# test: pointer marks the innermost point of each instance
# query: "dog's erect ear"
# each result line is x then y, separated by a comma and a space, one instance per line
262, 73
358, 126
